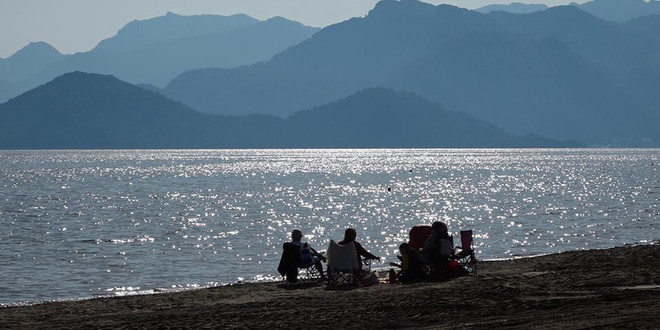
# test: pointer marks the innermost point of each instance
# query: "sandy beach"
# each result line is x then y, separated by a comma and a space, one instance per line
613, 288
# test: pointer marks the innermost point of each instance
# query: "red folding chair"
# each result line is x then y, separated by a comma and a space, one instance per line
464, 254
418, 235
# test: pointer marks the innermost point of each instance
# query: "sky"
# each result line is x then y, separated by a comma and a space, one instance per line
78, 25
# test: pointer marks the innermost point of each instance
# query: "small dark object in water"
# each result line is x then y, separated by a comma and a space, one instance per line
389, 189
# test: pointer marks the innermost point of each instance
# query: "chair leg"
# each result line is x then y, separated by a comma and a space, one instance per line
340, 278
473, 264
469, 263
309, 274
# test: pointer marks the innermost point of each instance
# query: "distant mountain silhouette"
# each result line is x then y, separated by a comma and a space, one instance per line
82, 110
139, 34
7, 90
31, 59
611, 10
621, 10
158, 63
377, 117
641, 82
515, 8
605, 43
337, 61
28, 61
557, 73
155, 51
561, 73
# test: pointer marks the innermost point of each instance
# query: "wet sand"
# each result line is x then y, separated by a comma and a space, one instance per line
613, 288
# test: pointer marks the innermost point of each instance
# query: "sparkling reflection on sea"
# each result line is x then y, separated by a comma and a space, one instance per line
78, 224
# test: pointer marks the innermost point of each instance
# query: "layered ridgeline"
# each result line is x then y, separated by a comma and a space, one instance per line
154, 51
82, 110
561, 73
621, 10
90, 111
611, 10
378, 117
25, 63
514, 8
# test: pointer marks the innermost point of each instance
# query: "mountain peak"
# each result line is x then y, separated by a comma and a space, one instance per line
80, 76
390, 7
396, 4
279, 20
139, 33
38, 49
514, 8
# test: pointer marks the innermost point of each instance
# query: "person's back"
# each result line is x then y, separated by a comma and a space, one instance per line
439, 246
349, 236
445, 246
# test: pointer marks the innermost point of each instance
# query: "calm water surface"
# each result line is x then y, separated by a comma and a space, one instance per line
79, 224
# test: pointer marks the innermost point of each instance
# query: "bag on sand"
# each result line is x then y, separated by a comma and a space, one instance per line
455, 269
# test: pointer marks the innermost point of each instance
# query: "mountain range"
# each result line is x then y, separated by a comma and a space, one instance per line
561, 73
154, 51
82, 110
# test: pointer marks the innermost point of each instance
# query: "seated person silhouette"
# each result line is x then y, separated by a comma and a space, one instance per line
438, 249
349, 236
411, 266
308, 255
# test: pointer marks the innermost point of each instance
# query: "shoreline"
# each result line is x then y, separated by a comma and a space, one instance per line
158, 291
616, 287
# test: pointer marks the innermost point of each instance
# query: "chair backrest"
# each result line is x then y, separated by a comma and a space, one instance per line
290, 259
466, 240
342, 257
418, 235
305, 256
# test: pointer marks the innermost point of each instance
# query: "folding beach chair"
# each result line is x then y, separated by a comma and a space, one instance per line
466, 256
342, 263
307, 269
289, 262
298, 263
418, 235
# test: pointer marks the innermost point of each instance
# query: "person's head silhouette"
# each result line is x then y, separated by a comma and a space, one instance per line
350, 234
296, 235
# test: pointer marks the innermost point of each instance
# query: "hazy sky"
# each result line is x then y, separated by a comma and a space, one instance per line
78, 25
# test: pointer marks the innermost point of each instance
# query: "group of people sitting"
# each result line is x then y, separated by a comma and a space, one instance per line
434, 255
297, 254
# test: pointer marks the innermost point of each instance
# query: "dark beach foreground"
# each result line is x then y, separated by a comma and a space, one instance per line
613, 288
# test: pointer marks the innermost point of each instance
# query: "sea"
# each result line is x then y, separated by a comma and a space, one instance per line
98, 223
